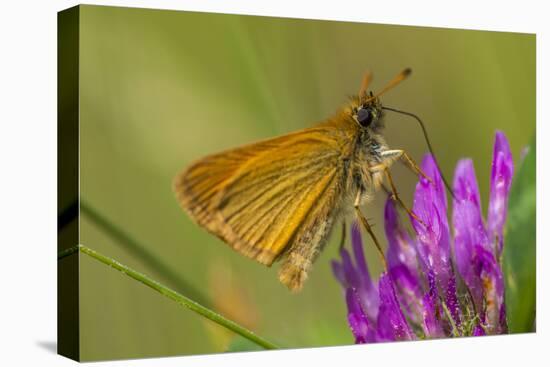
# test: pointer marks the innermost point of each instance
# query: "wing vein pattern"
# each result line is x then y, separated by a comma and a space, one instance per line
256, 198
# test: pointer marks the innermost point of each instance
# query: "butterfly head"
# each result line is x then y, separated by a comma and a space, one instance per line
367, 110
368, 114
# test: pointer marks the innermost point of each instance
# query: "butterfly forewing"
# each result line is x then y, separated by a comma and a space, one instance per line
259, 197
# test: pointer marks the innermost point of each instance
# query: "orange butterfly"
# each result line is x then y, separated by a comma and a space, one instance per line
278, 199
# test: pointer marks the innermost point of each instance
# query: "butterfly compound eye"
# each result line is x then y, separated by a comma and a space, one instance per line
364, 117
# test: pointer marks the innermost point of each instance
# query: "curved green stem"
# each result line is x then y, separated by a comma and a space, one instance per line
173, 295
67, 252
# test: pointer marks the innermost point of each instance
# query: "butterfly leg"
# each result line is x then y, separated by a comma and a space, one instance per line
369, 230
392, 195
393, 192
397, 198
343, 237
395, 154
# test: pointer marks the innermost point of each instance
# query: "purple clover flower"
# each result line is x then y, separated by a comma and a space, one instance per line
437, 284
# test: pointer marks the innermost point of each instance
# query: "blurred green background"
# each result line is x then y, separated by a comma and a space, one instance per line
160, 89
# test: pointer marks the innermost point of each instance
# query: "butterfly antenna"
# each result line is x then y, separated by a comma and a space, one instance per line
367, 78
425, 132
396, 80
